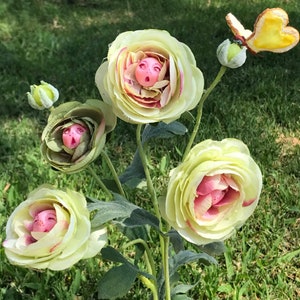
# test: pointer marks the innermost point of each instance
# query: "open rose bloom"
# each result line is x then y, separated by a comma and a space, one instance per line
76, 133
51, 229
213, 191
149, 76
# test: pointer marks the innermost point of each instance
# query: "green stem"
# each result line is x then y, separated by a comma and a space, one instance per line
200, 108
149, 258
100, 182
164, 241
114, 173
166, 267
147, 173
151, 284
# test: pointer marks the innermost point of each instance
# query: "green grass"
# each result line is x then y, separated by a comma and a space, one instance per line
64, 44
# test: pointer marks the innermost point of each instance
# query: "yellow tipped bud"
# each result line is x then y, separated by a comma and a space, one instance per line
42, 96
231, 55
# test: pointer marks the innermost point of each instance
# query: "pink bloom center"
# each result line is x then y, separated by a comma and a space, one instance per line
147, 71
71, 136
44, 221
214, 193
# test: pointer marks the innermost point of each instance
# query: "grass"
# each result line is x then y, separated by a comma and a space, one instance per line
64, 43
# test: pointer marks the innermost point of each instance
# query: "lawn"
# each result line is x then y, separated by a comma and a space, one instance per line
63, 43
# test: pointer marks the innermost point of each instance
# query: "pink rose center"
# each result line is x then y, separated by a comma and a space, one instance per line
44, 221
147, 71
214, 193
71, 136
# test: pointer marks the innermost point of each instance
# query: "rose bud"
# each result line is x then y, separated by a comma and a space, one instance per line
42, 96
231, 55
76, 133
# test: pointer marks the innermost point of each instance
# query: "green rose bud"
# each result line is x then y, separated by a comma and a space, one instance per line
42, 96
231, 55
213, 191
51, 229
76, 133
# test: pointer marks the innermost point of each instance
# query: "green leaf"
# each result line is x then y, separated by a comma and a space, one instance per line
162, 130
182, 289
141, 217
116, 282
110, 253
176, 240
216, 248
188, 256
134, 173
108, 211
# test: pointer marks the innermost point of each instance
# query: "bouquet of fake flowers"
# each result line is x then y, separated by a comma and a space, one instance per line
149, 79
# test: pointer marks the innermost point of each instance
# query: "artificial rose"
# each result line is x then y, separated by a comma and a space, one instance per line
51, 229
42, 96
149, 76
75, 134
213, 191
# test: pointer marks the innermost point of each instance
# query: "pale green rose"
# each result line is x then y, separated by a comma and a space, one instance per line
213, 191
149, 76
51, 229
231, 55
94, 118
42, 96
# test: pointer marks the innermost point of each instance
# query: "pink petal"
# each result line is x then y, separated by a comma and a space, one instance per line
248, 202
211, 183
211, 213
229, 197
217, 196
201, 205
230, 181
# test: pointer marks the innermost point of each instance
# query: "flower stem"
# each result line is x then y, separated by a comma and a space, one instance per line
149, 284
149, 259
147, 173
200, 108
100, 182
114, 173
164, 241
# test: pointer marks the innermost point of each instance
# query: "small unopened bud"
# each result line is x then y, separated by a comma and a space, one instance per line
42, 96
231, 55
